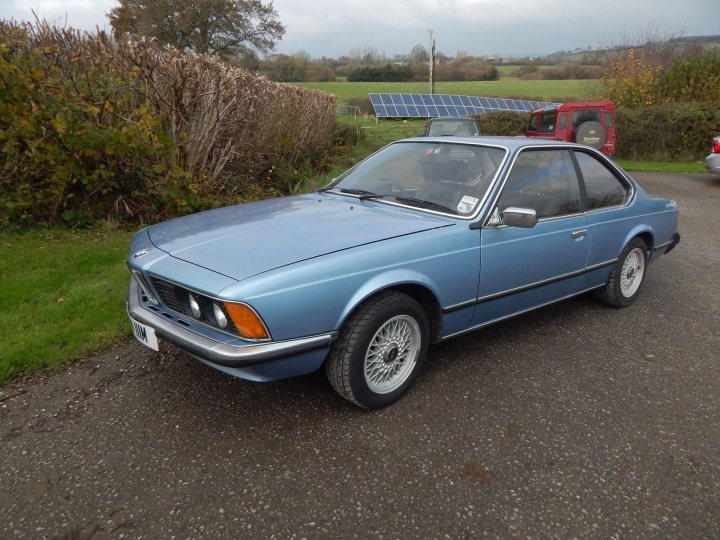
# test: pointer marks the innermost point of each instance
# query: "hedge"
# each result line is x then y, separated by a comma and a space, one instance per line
678, 131
92, 127
502, 123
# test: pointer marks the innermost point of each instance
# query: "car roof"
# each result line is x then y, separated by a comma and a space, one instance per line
573, 105
511, 143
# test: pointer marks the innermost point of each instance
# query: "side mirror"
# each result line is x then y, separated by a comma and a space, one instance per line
519, 217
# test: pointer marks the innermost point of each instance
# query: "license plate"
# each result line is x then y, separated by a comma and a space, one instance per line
145, 334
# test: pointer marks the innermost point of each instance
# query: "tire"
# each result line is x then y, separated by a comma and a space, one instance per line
628, 275
591, 134
379, 351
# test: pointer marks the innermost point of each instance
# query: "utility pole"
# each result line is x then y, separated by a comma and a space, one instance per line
432, 61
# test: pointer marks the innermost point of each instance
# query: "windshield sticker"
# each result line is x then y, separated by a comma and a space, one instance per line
466, 204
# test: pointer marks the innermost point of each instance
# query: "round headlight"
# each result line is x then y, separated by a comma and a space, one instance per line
194, 307
220, 317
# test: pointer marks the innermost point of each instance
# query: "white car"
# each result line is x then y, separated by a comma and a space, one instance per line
712, 161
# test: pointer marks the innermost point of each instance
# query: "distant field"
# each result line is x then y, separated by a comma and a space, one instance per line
506, 69
507, 87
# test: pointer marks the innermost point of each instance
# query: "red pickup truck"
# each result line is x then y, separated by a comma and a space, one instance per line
591, 123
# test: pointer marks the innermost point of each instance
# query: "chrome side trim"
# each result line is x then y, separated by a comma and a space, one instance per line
217, 352
535, 285
488, 323
461, 305
524, 288
602, 264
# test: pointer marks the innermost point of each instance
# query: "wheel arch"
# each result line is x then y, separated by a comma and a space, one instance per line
416, 288
645, 234
428, 301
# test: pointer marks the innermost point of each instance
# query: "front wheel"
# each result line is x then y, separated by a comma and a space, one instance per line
379, 350
623, 285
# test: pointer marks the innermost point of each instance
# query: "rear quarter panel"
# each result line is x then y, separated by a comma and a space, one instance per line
612, 228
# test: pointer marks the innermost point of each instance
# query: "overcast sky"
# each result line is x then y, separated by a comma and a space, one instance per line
482, 27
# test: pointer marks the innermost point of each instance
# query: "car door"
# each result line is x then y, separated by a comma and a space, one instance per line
522, 268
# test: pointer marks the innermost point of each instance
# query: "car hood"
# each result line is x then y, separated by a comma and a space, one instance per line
245, 240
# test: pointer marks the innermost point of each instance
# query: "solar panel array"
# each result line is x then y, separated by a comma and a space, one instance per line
432, 105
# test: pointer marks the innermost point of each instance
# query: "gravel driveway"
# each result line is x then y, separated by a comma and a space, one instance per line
575, 420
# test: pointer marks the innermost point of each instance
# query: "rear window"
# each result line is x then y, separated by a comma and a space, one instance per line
585, 115
458, 128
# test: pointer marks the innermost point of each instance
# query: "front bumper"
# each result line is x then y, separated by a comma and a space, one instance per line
223, 354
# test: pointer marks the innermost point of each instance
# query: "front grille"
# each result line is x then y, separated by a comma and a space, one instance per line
171, 295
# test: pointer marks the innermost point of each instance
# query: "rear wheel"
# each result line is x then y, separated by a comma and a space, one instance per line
379, 350
627, 277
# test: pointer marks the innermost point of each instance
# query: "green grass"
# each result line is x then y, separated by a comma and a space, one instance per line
63, 295
662, 166
506, 87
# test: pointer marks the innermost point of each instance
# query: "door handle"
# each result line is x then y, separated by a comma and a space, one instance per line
578, 234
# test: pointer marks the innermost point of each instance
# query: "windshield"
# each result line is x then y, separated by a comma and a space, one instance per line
445, 177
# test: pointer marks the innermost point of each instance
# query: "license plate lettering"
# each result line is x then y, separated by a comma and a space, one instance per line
145, 334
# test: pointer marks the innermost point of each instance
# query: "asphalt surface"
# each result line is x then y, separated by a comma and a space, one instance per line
577, 420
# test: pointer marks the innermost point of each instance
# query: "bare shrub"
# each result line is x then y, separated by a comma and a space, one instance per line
127, 125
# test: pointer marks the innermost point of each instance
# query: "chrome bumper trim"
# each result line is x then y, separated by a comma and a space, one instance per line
216, 352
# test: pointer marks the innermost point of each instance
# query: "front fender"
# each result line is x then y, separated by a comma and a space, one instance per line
387, 280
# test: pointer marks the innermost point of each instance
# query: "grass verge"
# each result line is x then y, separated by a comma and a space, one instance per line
63, 296
662, 166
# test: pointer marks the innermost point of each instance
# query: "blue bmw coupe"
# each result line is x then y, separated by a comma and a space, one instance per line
426, 239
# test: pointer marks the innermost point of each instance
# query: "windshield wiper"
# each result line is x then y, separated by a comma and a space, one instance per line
422, 203
361, 193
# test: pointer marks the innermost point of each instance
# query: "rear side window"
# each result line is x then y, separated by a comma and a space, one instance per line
602, 186
562, 121
608, 119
